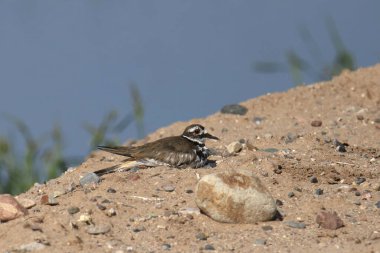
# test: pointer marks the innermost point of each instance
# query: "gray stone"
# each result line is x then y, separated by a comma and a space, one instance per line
236, 196
359, 180
201, 236
89, 178
209, 247
73, 210
295, 224
166, 246
98, 229
168, 188
234, 109
234, 147
313, 179
318, 191
32, 246
260, 242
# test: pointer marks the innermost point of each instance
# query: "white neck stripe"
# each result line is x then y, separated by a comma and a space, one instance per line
193, 140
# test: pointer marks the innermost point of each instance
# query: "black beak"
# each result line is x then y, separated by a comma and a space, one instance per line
207, 135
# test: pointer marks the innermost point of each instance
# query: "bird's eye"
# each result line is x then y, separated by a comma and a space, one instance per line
197, 131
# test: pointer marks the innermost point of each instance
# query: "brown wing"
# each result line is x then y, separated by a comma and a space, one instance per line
176, 151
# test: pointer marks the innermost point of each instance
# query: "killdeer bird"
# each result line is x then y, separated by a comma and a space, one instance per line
186, 150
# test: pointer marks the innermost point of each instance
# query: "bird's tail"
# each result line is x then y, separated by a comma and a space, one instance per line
125, 166
125, 151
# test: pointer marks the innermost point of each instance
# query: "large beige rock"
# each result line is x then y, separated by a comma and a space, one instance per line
10, 209
236, 196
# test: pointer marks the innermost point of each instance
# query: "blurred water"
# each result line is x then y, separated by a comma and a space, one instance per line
70, 62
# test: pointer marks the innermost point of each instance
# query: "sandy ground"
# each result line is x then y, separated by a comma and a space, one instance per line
137, 214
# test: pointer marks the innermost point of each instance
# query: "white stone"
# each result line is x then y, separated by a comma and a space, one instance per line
236, 196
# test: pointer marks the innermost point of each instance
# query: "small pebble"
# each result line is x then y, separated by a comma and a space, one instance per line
318, 191
89, 178
258, 120
234, 147
209, 247
33, 246
295, 224
279, 202
73, 210
168, 188
313, 180
98, 229
316, 123
49, 200
201, 236
111, 190
260, 242
166, 246
189, 191
297, 189
111, 212
138, 229
360, 117
267, 228
291, 194
357, 193
377, 204
101, 207
278, 169
234, 109
134, 169
341, 148
359, 180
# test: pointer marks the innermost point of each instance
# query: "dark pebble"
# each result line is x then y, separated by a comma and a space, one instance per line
316, 123
341, 148
209, 247
73, 210
166, 246
360, 117
313, 180
89, 178
111, 190
358, 203
291, 194
201, 236
359, 180
290, 137
357, 193
297, 189
101, 207
138, 229
279, 202
267, 228
278, 169
318, 191
189, 191
295, 224
134, 169
377, 120
377, 204
234, 109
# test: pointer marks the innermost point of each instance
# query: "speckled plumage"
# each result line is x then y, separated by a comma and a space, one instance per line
186, 150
